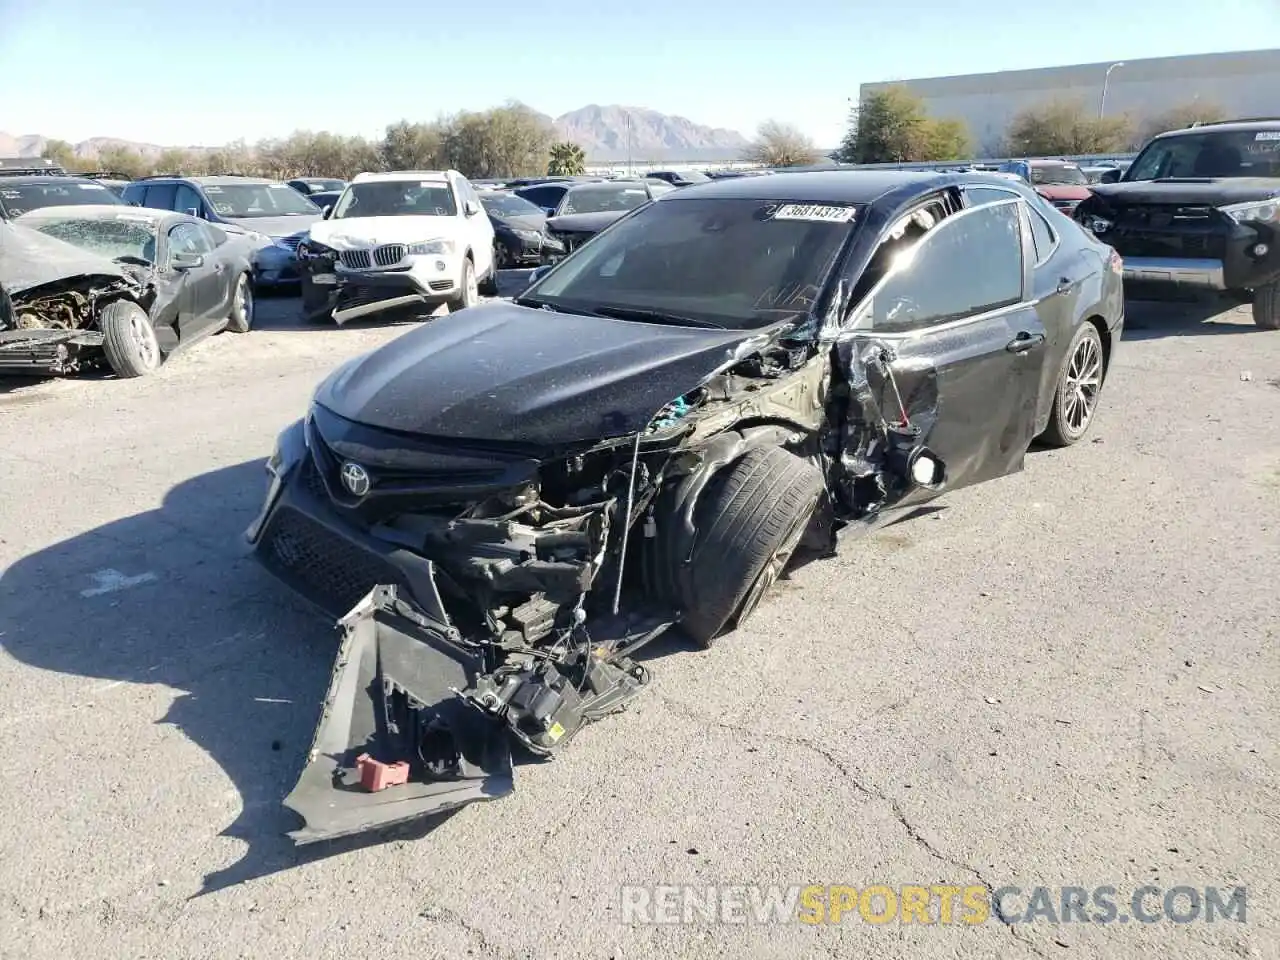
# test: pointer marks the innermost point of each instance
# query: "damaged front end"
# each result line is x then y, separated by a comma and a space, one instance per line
53, 328
498, 596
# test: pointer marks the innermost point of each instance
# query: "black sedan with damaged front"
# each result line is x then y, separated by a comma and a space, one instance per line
115, 283
517, 500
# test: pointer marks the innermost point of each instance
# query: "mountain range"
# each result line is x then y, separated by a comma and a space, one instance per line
605, 133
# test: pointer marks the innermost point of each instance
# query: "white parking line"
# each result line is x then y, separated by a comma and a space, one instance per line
110, 581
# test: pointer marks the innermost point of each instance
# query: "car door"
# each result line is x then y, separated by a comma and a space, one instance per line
203, 277
479, 230
227, 262
962, 344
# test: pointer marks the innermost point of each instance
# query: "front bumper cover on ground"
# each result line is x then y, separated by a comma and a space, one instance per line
45, 352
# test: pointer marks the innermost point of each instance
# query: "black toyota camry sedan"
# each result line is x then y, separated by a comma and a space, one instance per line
517, 497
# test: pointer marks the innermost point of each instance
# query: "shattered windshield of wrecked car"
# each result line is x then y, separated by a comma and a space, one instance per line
733, 263
1244, 153
114, 239
602, 199
258, 200
396, 198
1058, 173
19, 198
509, 205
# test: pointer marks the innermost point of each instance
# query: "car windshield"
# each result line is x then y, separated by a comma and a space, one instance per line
1057, 173
1241, 153
396, 198
18, 198
602, 198
322, 186
733, 263
258, 200
509, 205
113, 238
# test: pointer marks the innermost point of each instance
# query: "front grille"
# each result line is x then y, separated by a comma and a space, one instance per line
292, 242
389, 254
356, 259
327, 568
1153, 230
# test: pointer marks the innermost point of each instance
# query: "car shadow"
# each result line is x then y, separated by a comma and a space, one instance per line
171, 597
1201, 316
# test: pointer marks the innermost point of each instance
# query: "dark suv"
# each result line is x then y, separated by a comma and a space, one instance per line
1199, 209
274, 215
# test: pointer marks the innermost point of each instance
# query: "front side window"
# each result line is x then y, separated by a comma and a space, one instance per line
247, 200
606, 198
187, 200
969, 264
396, 198
188, 238
160, 196
1246, 153
733, 263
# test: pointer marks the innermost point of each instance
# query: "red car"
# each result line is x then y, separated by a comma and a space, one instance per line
1061, 182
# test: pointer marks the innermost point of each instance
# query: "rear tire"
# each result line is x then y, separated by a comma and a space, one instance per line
241, 318
129, 340
1266, 307
1075, 399
750, 520
469, 295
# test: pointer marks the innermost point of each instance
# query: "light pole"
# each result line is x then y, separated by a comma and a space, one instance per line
1102, 108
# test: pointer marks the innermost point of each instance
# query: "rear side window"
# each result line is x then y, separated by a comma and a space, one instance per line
969, 264
1042, 234
160, 196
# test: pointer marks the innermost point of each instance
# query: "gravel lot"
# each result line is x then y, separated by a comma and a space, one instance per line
1065, 677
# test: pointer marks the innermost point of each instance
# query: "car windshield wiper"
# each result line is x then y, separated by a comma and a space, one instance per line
548, 305
657, 316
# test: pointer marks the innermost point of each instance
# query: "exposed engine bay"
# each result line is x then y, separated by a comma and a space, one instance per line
537, 596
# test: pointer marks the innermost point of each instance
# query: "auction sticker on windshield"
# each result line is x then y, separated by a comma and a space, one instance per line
1268, 135
90, 186
814, 211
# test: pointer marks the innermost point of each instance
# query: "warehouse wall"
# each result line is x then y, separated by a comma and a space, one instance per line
1244, 84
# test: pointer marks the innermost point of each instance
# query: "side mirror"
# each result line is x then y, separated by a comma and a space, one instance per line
192, 211
471, 208
325, 211
1111, 176
549, 211
186, 261
538, 273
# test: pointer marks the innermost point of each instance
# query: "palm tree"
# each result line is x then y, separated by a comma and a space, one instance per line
567, 160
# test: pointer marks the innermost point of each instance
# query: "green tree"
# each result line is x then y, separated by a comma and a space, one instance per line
61, 153
125, 160
1066, 127
176, 160
567, 160
780, 144
893, 126
413, 146
1179, 117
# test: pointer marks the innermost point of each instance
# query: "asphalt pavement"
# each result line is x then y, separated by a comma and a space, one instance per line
1065, 677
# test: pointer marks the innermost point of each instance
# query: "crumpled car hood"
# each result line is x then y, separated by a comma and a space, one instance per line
585, 222
29, 259
275, 226
509, 373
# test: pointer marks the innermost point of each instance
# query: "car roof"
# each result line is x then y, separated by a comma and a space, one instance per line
101, 211
395, 176
1235, 126
832, 186
226, 180
42, 178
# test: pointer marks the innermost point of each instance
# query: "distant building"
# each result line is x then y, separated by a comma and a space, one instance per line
1245, 84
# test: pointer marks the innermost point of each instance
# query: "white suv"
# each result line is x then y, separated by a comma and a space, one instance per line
400, 240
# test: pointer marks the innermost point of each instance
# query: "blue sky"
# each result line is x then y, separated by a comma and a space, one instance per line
172, 73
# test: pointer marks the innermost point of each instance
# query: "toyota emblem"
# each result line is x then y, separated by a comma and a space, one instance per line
355, 478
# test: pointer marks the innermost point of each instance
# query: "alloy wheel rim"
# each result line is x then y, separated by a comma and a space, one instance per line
244, 299
1081, 385
145, 339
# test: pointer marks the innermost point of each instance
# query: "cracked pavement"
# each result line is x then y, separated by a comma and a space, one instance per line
1066, 677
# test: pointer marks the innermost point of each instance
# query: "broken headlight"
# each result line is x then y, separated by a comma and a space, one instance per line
313, 248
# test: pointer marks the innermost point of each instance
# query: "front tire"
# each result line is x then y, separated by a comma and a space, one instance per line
1266, 307
469, 295
750, 520
241, 318
1075, 400
128, 340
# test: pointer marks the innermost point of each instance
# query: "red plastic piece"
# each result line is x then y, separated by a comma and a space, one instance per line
376, 775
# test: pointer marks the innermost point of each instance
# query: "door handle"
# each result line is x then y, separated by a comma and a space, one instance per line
1024, 341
